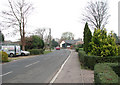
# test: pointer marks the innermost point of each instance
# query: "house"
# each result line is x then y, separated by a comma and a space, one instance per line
118, 41
69, 43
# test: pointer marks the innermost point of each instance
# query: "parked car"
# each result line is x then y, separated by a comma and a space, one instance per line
57, 48
11, 49
23, 53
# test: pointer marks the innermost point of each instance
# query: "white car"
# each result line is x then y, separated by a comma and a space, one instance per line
23, 53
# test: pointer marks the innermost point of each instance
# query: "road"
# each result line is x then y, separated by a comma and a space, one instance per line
38, 69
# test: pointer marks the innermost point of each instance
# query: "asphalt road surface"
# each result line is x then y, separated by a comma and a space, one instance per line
38, 69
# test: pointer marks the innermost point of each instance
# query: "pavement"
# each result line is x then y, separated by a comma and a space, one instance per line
72, 72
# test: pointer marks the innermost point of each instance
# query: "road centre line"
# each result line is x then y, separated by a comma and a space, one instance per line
6, 73
32, 64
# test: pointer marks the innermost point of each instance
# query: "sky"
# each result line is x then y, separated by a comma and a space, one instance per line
62, 16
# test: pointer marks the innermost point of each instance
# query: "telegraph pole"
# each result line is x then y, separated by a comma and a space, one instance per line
50, 39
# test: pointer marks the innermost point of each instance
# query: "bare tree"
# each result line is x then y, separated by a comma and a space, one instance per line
40, 32
17, 16
96, 14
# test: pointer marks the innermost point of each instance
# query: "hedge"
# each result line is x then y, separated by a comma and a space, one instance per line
36, 51
105, 75
78, 49
90, 61
4, 56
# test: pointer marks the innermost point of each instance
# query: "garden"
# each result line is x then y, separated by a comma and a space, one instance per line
101, 54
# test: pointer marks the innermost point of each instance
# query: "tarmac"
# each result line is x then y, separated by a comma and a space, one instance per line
72, 72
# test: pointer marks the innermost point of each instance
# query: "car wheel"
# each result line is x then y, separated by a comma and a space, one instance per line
23, 54
11, 55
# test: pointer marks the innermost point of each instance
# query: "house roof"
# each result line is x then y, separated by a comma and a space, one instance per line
71, 41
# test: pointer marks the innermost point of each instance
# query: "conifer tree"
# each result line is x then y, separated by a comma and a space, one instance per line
87, 38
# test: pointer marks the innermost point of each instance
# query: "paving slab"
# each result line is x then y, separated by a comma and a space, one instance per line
72, 72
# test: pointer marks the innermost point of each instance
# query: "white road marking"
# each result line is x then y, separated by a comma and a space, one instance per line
6, 73
31, 64
56, 75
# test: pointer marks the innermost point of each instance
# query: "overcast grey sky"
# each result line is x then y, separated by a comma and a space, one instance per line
62, 16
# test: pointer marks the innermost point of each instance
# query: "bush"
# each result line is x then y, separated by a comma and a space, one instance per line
76, 49
4, 57
102, 44
80, 45
80, 49
104, 74
34, 42
36, 51
90, 61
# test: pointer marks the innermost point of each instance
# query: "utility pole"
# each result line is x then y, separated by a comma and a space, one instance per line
50, 39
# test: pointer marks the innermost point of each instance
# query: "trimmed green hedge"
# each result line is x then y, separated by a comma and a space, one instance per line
90, 61
36, 51
4, 56
105, 75
78, 49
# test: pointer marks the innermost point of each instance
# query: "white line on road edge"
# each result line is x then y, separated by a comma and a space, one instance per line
31, 64
56, 75
6, 73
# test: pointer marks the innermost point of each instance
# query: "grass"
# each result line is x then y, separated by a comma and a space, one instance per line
46, 52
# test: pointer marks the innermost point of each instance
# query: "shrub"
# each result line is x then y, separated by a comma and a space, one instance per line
4, 57
76, 49
36, 51
104, 74
103, 45
80, 45
90, 61
80, 49
34, 42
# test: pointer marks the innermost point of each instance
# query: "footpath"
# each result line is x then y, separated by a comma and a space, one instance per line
72, 72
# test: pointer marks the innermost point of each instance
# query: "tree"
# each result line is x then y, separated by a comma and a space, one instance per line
17, 16
96, 14
103, 44
54, 43
67, 36
1, 37
40, 32
34, 42
116, 37
87, 38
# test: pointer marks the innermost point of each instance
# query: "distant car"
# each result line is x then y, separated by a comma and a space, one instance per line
23, 53
57, 48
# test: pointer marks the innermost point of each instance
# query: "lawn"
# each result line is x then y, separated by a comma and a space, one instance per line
46, 52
